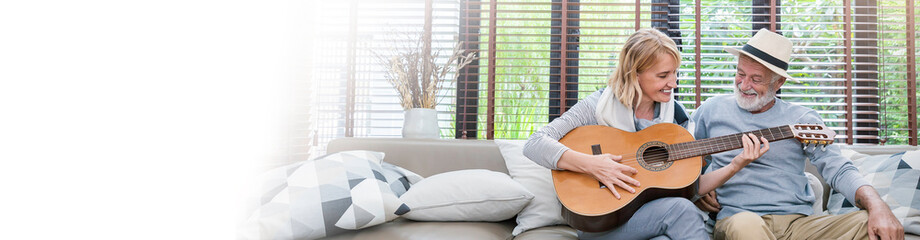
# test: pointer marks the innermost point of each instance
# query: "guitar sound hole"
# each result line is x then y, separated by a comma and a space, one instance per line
655, 156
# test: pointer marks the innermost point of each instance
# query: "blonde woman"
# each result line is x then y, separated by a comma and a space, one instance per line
638, 95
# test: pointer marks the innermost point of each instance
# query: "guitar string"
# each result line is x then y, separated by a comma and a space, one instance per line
664, 156
721, 143
661, 157
725, 141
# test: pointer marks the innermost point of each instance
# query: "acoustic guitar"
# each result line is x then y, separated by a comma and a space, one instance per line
654, 152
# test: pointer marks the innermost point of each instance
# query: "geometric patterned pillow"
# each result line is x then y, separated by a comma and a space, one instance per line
327, 196
897, 179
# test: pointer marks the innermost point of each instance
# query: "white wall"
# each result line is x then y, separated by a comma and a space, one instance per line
136, 119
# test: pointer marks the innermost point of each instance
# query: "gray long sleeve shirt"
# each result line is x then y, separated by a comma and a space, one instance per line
775, 183
544, 148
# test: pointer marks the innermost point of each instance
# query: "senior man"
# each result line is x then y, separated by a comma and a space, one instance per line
769, 198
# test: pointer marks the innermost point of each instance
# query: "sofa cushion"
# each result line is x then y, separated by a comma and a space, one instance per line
897, 179
549, 233
406, 229
327, 196
544, 209
465, 195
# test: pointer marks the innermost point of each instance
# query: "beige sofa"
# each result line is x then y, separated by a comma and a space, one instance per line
429, 156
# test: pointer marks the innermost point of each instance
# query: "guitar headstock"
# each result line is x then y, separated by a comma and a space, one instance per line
813, 134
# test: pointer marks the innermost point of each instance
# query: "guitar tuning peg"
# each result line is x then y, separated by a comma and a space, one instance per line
805, 144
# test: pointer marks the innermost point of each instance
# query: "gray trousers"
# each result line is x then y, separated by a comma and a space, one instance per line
663, 218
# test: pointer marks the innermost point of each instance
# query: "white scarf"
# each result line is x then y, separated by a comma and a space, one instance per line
612, 113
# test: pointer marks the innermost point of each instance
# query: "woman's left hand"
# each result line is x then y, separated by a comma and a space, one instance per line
751, 152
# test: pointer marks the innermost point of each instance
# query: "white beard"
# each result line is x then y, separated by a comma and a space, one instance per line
757, 103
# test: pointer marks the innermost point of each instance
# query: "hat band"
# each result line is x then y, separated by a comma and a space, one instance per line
766, 57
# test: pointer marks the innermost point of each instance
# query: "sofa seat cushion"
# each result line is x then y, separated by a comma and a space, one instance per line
549, 233
402, 228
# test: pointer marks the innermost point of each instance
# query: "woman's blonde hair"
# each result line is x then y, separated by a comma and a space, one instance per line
640, 53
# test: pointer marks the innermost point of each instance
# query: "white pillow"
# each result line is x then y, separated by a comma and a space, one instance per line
545, 209
465, 195
818, 190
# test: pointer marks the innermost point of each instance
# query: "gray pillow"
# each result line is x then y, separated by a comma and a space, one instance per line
327, 196
897, 179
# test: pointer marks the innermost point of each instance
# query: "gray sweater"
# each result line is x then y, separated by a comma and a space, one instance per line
544, 148
775, 183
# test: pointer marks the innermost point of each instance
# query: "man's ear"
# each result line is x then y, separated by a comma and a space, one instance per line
779, 83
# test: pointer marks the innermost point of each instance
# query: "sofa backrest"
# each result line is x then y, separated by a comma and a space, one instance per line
427, 157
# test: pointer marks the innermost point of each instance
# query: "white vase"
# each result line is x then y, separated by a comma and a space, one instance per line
421, 123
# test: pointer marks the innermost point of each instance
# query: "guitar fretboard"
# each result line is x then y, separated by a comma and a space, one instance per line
723, 143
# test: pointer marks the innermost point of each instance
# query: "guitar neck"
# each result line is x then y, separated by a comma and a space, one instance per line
714, 145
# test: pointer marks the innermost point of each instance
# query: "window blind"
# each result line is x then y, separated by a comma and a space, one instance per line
538, 58
352, 95
855, 58
298, 129
822, 60
898, 51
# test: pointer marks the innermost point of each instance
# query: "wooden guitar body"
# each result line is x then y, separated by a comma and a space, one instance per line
591, 207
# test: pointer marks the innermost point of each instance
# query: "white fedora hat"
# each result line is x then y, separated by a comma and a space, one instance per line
770, 49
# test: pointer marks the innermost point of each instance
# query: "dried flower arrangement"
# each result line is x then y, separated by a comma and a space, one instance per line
416, 75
